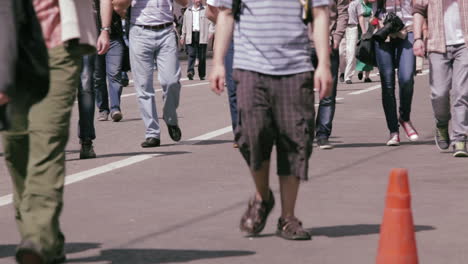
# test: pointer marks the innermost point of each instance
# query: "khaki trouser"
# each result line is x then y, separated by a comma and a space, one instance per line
35, 153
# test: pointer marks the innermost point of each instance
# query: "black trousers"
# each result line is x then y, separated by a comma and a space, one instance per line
197, 50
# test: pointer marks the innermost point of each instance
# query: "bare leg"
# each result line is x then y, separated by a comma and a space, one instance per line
289, 187
367, 74
262, 183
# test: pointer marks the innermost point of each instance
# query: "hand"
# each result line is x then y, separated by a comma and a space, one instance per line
323, 80
103, 42
217, 79
182, 41
4, 98
336, 45
419, 48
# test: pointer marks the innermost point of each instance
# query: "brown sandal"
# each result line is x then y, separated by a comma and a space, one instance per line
254, 219
291, 228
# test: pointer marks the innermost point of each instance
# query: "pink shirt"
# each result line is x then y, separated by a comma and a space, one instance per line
48, 13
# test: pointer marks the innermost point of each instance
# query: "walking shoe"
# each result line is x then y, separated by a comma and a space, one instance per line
342, 77
175, 132
442, 138
254, 219
116, 116
323, 143
459, 149
87, 150
151, 142
202, 78
103, 116
291, 228
394, 139
360, 75
367, 80
349, 82
190, 75
410, 131
28, 253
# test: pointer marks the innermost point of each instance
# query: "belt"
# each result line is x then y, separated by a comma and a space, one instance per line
156, 27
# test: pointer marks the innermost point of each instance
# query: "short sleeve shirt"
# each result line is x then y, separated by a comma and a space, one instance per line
214, 3
271, 38
151, 12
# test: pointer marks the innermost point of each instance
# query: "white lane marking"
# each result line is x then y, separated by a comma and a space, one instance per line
80, 176
375, 87
159, 90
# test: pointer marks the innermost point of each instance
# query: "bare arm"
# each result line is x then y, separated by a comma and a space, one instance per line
183, 3
212, 13
103, 42
120, 6
362, 24
419, 45
224, 30
321, 38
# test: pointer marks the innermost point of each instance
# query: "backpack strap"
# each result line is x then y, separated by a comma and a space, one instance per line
236, 9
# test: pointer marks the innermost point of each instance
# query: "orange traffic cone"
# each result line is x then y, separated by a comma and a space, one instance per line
397, 241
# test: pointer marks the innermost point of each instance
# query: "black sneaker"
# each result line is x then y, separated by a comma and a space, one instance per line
151, 142
190, 75
349, 82
367, 80
342, 77
360, 75
442, 138
87, 150
175, 132
459, 149
323, 143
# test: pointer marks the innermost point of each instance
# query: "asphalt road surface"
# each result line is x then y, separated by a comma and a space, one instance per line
181, 203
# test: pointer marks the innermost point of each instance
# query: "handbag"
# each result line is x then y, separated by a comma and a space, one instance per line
365, 50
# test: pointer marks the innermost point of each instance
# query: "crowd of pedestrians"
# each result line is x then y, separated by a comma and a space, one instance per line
270, 68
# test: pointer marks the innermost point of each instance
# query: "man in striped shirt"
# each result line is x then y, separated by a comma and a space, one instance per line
275, 93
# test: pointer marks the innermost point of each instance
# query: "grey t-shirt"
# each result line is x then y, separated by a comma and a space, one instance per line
452, 23
151, 12
353, 12
270, 37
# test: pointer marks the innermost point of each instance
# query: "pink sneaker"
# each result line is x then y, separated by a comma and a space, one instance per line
394, 139
410, 131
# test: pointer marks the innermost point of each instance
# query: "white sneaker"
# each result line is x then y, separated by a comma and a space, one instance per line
394, 139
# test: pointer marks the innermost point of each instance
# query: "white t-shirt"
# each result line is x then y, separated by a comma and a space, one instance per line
452, 23
196, 19
214, 3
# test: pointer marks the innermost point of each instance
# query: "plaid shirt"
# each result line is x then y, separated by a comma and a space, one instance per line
433, 11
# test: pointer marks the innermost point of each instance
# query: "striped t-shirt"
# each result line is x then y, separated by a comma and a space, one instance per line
151, 12
271, 38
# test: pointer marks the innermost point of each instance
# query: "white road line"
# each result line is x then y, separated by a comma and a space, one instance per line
375, 87
80, 176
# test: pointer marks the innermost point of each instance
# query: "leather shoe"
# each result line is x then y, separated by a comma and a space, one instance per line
151, 142
174, 132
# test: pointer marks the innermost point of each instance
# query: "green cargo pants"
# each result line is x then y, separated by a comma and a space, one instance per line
35, 153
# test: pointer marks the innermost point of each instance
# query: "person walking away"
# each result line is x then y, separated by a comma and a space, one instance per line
34, 145
394, 49
364, 13
153, 42
195, 33
448, 62
212, 14
326, 112
275, 88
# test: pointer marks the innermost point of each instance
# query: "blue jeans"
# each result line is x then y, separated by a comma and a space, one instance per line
109, 64
327, 106
231, 85
86, 99
148, 46
397, 54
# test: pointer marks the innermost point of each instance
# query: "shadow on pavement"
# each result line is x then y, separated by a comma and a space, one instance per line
213, 142
150, 256
70, 248
128, 154
382, 144
355, 230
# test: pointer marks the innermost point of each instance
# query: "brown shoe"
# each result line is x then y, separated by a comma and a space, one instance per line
291, 228
254, 219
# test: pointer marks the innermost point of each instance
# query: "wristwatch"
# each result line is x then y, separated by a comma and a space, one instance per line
108, 29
